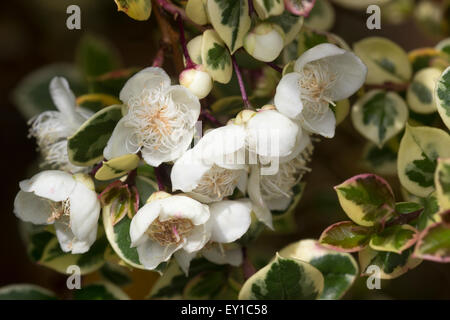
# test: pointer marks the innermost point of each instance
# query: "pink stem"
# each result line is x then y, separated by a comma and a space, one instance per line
275, 67
159, 58
189, 62
241, 83
208, 116
177, 12
159, 178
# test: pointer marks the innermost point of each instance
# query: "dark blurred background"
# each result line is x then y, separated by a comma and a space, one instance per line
33, 34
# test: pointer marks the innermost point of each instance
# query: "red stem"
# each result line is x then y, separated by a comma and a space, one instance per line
159, 177
241, 83
208, 116
189, 62
275, 67
177, 12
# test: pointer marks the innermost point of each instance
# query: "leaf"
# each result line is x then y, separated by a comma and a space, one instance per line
430, 213
345, 236
25, 292
284, 279
96, 101
321, 17
422, 58
216, 58
112, 82
442, 183
444, 46
434, 243
407, 207
100, 291
289, 23
117, 167
231, 20
392, 265
209, 285
228, 106
338, 269
382, 161
367, 199
379, 115
442, 94
420, 93
119, 234
394, 239
417, 158
341, 110
268, 8
385, 60
44, 249
145, 187
136, 9
96, 56
32, 95
115, 274
85, 147
196, 11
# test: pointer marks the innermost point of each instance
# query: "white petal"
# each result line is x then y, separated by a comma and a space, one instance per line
69, 242
229, 220
232, 257
318, 52
62, 96
84, 211
142, 220
154, 157
197, 239
280, 204
184, 259
183, 207
185, 100
151, 253
303, 139
324, 125
121, 141
148, 78
287, 97
271, 134
31, 208
50, 184
187, 172
258, 206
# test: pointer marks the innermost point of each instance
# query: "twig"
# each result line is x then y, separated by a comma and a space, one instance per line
189, 62
241, 83
247, 266
275, 67
177, 12
159, 177
208, 116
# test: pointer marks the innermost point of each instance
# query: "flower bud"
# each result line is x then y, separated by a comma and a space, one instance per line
158, 195
264, 42
197, 80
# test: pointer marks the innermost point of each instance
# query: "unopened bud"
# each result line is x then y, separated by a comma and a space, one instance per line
265, 42
197, 80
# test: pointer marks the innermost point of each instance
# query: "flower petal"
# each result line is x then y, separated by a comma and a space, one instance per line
303, 139
31, 208
183, 207
50, 184
62, 96
187, 172
287, 97
197, 239
258, 206
151, 253
148, 78
69, 242
184, 259
324, 125
142, 220
232, 257
186, 101
229, 220
280, 204
121, 141
84, 211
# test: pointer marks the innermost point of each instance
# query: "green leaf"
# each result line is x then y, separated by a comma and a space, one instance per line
96, 56
430, 212
386, 61
284, 279
382, 161
207, 286
321, 17
115, 274
442, 94
442, 182
346, 236
417, 158
268, 8
117, 167
392, 265
367, 199
100, 291
96, 101
216, 58
196, 11
394, 239
380, 115
119, 234
136, 9
338, 269
407, 207
228, 106
289, 23
32, 95
85, 147
231, 20
25, 292
420, 93
434, 243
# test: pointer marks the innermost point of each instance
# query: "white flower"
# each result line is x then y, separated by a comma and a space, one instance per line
213, 168
197, 80
322, 75
52, 128
165, 226
274, 192
160, 121
68, 202
229, 221
265, 42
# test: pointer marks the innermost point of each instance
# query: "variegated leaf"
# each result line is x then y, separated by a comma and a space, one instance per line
215, 57
442, 182
395, 239
136, 9
117, 167
346, 236
442, 94
420, 95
